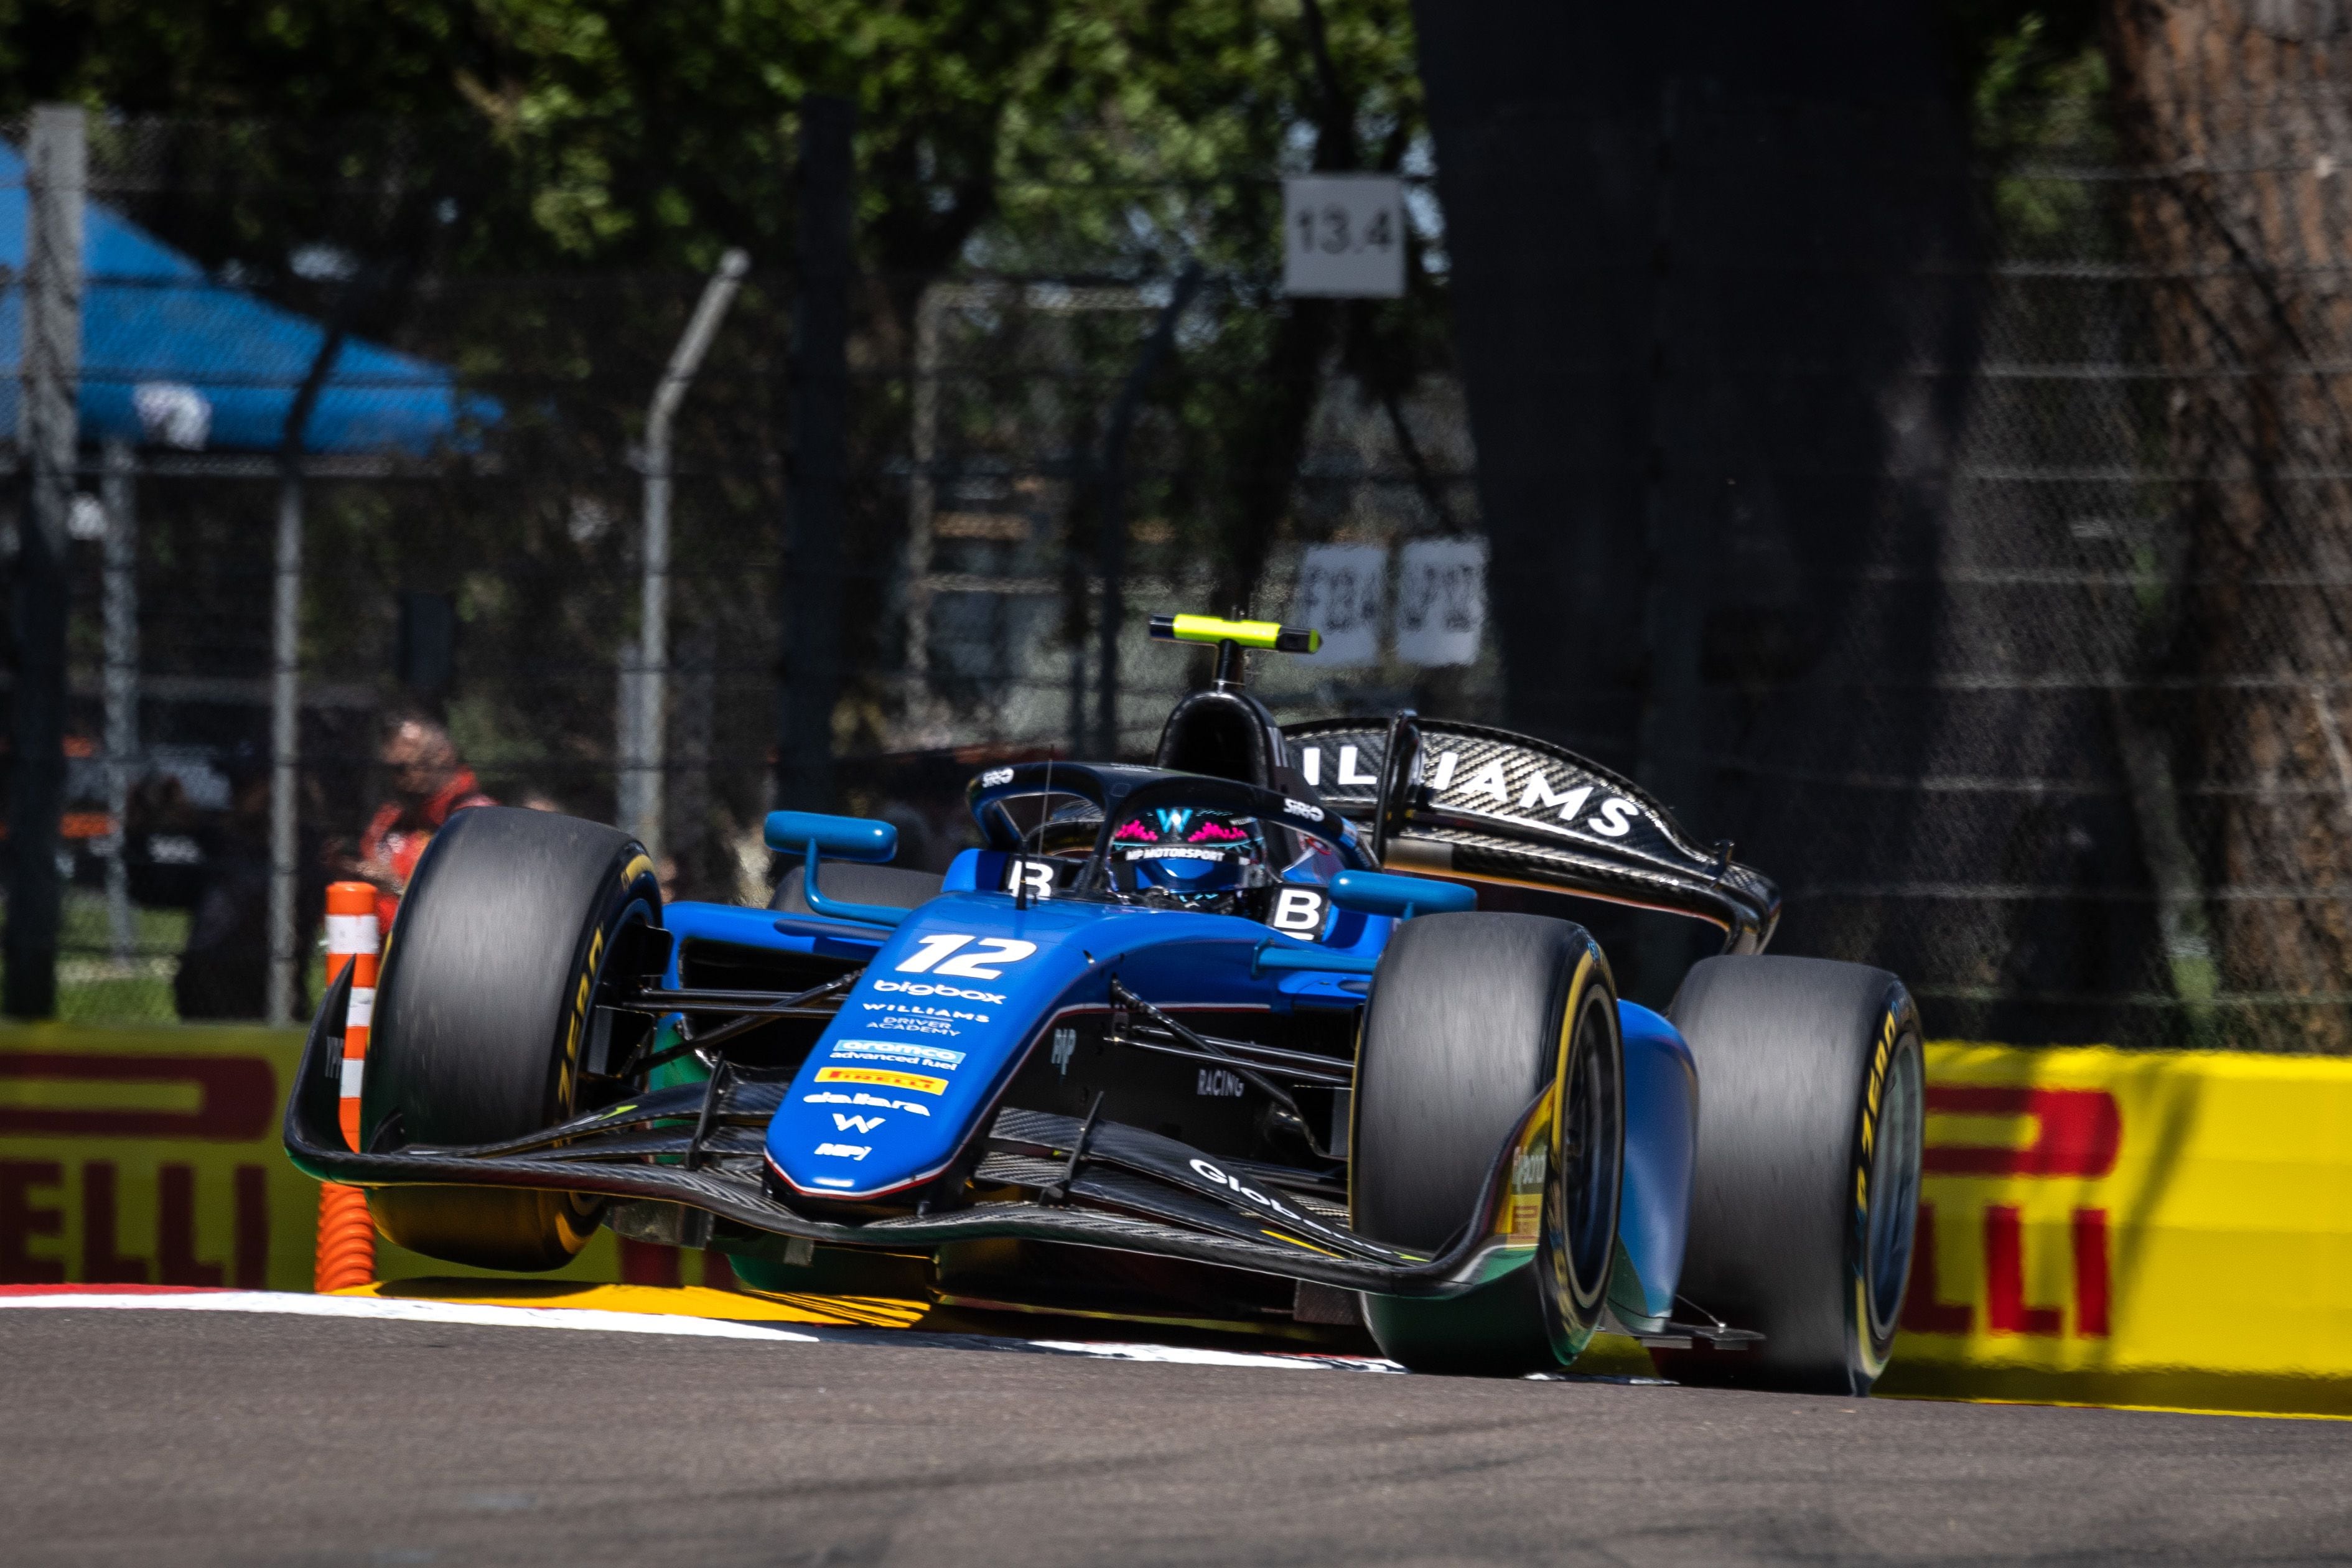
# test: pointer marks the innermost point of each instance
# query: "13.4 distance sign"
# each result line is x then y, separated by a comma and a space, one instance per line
1343, 235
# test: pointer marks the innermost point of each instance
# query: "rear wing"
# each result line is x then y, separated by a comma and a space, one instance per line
1462, 800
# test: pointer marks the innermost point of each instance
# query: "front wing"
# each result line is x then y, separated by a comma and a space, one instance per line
1125, 1189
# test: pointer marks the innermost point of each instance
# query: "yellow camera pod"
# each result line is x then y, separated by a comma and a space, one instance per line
1271, 635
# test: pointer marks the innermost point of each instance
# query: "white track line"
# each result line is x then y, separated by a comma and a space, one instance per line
1183, 1355
414, 1311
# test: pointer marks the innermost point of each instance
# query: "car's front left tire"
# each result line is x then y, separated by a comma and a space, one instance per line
481, 1012
1472, 1018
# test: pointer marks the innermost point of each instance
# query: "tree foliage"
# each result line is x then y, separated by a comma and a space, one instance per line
527, 190
514, 137
603, 132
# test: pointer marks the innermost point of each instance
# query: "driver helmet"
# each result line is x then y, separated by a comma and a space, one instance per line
1189, 857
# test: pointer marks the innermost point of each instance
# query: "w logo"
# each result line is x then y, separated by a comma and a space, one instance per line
857, 1123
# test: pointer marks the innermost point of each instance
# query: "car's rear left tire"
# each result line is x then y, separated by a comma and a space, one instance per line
481, 1012
1472, 1018
1806, 1188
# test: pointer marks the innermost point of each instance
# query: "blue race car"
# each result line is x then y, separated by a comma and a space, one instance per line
1224, 1040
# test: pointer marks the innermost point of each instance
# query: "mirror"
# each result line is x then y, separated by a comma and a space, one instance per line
1386, 893
841, 837
812, 833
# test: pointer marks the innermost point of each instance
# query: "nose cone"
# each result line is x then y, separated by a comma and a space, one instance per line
923, 1043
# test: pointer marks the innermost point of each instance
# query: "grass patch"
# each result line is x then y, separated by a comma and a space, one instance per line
95, 986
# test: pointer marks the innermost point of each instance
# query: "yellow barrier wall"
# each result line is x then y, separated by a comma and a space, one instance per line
152, 1156
2141, 1228
2122, 1228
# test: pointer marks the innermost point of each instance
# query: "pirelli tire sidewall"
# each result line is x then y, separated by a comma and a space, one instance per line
1584, 1184
1883, 1224
482, 1013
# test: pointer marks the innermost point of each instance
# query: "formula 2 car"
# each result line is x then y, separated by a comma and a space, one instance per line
1222, 1040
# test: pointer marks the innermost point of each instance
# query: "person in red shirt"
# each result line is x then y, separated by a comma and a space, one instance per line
429, 782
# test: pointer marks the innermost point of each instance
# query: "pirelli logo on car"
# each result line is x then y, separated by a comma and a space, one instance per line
882, 1078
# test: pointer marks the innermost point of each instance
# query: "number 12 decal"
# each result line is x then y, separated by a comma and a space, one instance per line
930, 950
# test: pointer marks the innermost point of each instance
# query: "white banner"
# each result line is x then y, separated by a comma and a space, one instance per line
1342, 592
1442, 601
1343, 235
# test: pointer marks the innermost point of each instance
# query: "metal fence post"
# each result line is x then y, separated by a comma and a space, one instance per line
1111, 541
120, 468
1670, 733
285, 738
286, 653
645, 689
55, 170
816, 504
922, 491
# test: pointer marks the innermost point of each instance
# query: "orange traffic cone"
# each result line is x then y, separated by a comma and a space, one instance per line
346, 1235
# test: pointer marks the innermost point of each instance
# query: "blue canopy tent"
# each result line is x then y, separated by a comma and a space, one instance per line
174, 358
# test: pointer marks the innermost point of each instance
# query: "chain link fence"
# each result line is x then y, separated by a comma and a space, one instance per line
472, 495
2067, 750
2053, 725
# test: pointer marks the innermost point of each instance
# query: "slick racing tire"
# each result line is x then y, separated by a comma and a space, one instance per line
481, 1012
1807, 1188
1472, 1018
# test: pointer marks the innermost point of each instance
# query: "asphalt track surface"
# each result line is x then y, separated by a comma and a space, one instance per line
217, 1436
